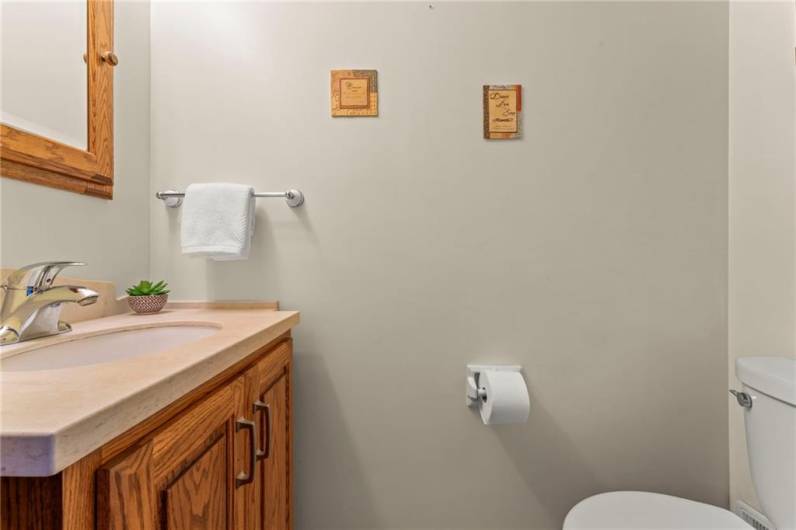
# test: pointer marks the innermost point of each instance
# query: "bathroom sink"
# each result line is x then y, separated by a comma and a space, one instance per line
109, 346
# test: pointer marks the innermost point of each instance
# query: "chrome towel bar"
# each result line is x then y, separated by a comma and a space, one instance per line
294, 198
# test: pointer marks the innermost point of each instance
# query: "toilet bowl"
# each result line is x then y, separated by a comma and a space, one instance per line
641, 510
769, 401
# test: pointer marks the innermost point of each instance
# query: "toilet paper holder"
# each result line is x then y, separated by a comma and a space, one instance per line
475, 393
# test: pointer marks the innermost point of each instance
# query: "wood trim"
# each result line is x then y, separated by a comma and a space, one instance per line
33, 158
78, 493
100, 82
126, 484
48, 155
51, 179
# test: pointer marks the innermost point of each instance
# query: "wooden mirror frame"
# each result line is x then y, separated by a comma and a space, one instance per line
40, 160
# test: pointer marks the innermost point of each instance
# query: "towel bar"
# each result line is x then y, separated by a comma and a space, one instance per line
294, 198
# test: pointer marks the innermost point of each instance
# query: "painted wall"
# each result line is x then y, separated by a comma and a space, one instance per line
39, 223
593, 251
761, 189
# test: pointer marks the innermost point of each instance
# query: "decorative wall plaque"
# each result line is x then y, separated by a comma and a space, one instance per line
355, 93
502, 111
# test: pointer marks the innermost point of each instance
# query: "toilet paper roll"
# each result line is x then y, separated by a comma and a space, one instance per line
506, 399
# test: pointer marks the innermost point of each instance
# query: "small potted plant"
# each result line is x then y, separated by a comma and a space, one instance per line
148, 297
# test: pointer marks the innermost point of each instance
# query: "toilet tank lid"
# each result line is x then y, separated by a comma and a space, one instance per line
773, 376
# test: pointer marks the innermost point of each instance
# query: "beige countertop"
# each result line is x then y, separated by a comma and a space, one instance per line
51, 418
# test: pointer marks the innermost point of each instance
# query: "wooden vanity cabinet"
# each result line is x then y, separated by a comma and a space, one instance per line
217, 460
184, 476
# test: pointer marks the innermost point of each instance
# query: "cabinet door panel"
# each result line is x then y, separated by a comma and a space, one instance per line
274, 468
191, 432
197, 500
183, 476
126, 492
269, 384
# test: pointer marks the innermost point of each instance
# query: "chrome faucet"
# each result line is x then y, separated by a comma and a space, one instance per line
31, 305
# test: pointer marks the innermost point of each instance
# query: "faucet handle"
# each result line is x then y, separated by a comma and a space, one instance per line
42, 275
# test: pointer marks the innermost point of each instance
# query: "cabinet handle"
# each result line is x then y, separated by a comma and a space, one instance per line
265, 408
244, 477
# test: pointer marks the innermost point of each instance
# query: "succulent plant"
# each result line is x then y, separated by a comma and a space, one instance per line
147, 288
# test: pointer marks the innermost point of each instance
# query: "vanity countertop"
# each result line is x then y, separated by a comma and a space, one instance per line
52, 417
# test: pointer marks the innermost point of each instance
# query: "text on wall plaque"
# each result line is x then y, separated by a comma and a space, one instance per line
502, 111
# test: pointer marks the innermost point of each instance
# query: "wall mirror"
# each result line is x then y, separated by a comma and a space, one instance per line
56, 110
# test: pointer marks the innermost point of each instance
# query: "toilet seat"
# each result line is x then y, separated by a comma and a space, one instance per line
643, 510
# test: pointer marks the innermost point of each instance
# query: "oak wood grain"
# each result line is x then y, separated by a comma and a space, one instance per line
34, 175
125, 493
269, 382
100, 100
38, 151
32, 504
79, 493
39, 160
197, 500
177, 457
176, 445
276, 477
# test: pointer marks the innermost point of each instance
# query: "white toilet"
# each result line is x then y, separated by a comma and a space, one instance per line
769, 397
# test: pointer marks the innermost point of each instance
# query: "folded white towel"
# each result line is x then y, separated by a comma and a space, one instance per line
218, 221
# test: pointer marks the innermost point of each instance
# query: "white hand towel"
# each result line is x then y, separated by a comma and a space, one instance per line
218, 221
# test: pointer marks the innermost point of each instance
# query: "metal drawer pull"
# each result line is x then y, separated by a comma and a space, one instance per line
243, 477
259, 406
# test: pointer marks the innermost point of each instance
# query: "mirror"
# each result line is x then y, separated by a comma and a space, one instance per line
44, 81
56, 107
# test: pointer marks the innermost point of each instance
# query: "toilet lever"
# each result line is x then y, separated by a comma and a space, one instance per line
744, 399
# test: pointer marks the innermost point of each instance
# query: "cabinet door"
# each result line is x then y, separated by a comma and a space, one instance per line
270, 381
193, 474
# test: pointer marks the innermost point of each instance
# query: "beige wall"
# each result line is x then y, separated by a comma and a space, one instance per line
593, 251
38, 223
761, 190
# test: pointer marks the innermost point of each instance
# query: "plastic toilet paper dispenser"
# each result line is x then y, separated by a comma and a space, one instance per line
499, 392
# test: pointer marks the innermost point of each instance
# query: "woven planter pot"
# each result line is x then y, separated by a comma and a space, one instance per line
147, 304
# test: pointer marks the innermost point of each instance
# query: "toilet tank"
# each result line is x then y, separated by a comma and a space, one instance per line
771, 433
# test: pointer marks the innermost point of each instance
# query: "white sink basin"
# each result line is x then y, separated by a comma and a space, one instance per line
106, 347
